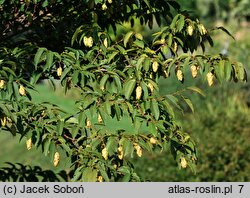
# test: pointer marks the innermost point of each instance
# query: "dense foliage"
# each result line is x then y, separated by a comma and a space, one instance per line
121, 111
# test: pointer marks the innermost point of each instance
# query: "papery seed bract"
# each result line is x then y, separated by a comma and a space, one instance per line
105, 153
56, 159
194, 71
105, 42
59, 71
153, 140
29, 144
190, 30
138, 92
22, 90
2, 82
210, 79
155, 66
120, 152
183, 162
179, 75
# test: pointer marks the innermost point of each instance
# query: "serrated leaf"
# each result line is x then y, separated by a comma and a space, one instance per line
10, 71
127, 37
103, 81
118, 82
139, 43
155, 109
112, 145
89, 175
75, 35
226, 31
126, 177
129, 88
60, 127
197, 90
46, 147
180, 23
174, 100
173, 23
38, 55
111, 56
127, 147
152, 129
228, 70
49, 60
189, 103
77, 174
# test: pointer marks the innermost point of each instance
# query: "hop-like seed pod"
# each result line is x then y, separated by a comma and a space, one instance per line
22, 91
99, 119
56, 158
184, 162
210, 79
88, 41
105, 153
194, 71
151, 87
202, 29
166, 74
155, 66
88, 123
85, 40
59, 71
2, 82
110, 1
120, 152
138, 92
175, 47
105, 42
3, 121
190, 30
104, 6
139, 36
100, 179
179, 75
153, 140
29, 143
138, 149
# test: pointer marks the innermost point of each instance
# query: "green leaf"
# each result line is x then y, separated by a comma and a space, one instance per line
180, 23
60, 127
226, 31
152, 128
118, 82
126, 177
129, 88
49, 60
139, 43
127, 147
38, 55
127, 37
189, 103
197, 90
228, 70
112, 145
89, 175
46, 146
10, 71
173, 23
103, 81
74, 37
77, 174
155, 109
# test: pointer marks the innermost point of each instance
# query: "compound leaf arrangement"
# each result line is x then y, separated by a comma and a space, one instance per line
121, 113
